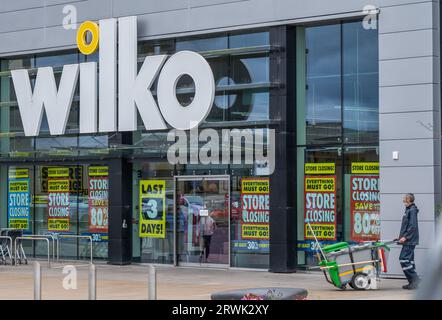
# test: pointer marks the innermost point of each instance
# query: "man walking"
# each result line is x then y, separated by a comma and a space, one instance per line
409, 239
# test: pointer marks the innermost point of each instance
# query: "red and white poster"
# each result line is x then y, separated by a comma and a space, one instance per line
98, 186
364, 208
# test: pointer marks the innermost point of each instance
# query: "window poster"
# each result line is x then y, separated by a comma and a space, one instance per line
320, 201
98, 198
255, 208
364, 201
152, 199
19, 198
58, 205
74, 174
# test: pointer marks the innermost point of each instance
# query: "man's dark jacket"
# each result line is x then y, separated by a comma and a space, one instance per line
409, 227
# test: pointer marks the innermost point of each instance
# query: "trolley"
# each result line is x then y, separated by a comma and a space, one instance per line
357, 265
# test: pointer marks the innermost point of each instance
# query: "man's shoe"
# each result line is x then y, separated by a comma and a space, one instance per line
415, 284
411, 286
406, 287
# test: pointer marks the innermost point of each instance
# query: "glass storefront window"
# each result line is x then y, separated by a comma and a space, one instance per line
65, 199
202, 213
12, 141
159, 248
241, 66
249, 219
360, 87
249, 40
361, 181
319, 198
202, 44
56, 60
323, 90
337, 135
241, 77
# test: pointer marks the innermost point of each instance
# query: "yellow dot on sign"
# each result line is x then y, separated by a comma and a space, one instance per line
84, 47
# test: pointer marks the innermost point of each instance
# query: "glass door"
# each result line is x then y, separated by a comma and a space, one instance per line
202, 220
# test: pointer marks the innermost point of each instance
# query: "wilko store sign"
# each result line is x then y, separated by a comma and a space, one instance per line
134, 88
320, 207
365, 208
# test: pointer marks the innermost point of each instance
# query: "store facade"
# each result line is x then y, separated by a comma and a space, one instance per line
315, 102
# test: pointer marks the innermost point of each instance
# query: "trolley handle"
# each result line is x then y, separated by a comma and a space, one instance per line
387, 242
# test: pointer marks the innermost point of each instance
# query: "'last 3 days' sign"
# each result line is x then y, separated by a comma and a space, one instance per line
153, 208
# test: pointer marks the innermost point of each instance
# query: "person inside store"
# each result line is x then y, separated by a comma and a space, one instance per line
209, 227
409, 239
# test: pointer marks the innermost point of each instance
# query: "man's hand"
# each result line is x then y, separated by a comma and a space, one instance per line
402, 240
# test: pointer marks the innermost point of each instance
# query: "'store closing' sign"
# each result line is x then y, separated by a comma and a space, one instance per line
365, 208
320, 207
255, 208
58, 205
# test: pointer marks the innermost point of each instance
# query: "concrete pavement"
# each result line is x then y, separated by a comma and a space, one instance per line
130, 282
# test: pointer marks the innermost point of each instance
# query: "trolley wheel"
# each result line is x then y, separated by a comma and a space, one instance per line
360, 281
343, 287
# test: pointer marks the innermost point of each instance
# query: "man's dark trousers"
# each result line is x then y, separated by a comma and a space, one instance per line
406, 258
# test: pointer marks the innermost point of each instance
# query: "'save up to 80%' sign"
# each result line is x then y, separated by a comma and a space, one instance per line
98, 204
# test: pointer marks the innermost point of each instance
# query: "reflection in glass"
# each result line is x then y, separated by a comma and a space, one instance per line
203, 221
361, 98
153, 250
202, 44
323, 114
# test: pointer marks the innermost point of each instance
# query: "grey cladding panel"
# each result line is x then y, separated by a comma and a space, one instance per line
121, 7
202, 3
166, 18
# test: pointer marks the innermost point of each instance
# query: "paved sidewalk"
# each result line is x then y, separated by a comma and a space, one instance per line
130, 282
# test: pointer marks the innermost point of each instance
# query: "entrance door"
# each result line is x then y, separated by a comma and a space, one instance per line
202, 212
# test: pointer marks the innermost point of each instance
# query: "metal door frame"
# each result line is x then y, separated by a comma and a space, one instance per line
175, 244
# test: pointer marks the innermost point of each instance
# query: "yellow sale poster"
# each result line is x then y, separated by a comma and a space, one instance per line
74, 174
320, 207
19, 198
58, 205
152, 208
255, 208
